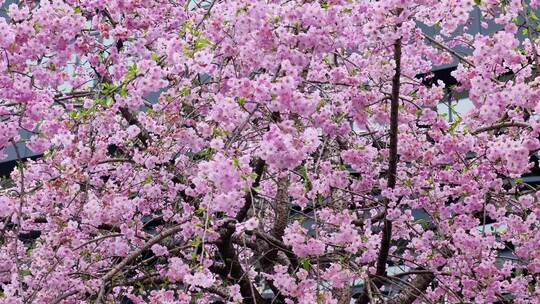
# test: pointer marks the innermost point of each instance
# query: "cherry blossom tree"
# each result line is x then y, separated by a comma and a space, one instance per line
290, 145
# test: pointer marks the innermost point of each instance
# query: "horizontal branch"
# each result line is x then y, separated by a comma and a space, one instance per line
501, 125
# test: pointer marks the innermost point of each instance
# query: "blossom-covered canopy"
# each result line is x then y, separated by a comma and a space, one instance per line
290, 147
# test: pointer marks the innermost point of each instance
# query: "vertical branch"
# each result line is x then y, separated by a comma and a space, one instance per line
393, 158
19, 217
280, 222
282, 208
226, 248
530, 28
392, 170
235, 272
259, 165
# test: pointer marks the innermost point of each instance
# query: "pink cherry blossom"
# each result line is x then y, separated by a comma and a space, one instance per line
269, 151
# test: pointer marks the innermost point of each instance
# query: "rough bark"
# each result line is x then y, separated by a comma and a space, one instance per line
413, 291
280, 223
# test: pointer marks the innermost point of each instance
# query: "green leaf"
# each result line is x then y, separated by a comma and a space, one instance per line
185, 28
155, 57
478, 2
364, 87
218, 132
185, 91
454, 125
320, 199
108, 88
303, 172
107, 102
77, 10
201, 43
188, 52
200, 211
424, 223
305, 263
79, 114
196, 242
338, 117
132, 71
241, 101
204, 154
123, 92
321, 104
245, 176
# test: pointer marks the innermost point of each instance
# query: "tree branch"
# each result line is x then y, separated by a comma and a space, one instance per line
414, 289
64, 296
226, 248
449, 50
393, 158
128, 259
132, 120
280, 223
392, 169
501, 125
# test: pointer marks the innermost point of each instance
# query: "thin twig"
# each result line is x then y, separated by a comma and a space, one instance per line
449, 50
206, 15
